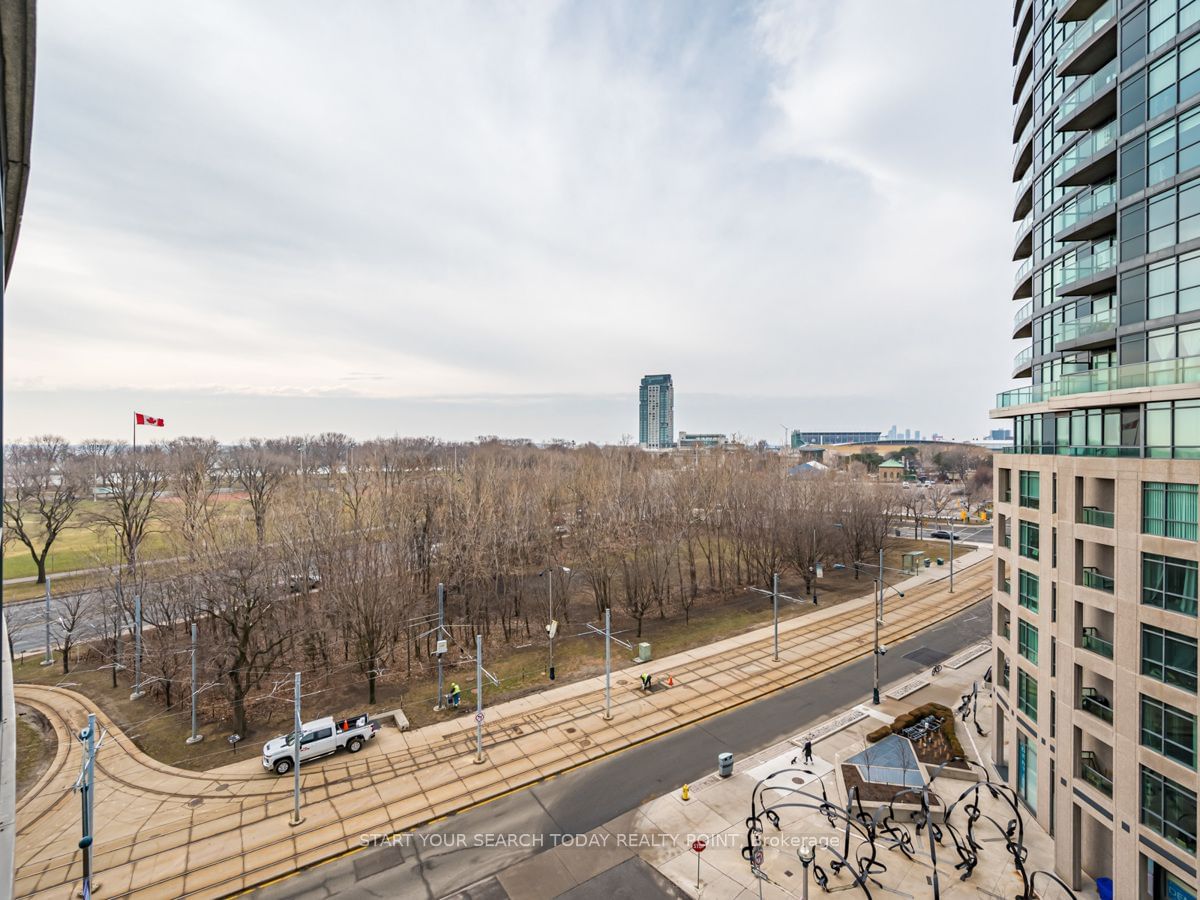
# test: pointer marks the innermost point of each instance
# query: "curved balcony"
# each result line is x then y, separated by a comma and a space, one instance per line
1024, 280
1024, 197
1092, 44
1163, 373
1022, 35
1023, 321
1023, 152
1021, 73
1023, 363
1023, 113
1092, 102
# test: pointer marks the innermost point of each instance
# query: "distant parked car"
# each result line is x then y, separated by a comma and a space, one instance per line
944, 536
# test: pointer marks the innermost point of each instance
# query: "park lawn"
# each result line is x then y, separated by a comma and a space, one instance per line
76, 549
61, 586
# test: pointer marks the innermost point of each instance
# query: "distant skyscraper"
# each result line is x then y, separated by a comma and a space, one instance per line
656, 412
917, 435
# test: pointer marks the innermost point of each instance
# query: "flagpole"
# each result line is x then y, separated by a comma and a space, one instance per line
135, 432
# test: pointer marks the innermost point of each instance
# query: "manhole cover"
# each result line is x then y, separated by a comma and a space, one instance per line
222, 787
569, 730
926, 656
195, 801
584, 742
796, 779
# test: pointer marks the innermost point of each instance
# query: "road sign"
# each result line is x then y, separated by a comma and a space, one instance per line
699, 845
758, 856
479, 717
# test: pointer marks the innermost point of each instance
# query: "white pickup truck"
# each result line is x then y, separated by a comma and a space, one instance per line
319, 737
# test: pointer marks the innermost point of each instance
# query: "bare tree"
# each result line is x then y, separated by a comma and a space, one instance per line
259, 469
193, 475
131, 483
41, 494
72, 612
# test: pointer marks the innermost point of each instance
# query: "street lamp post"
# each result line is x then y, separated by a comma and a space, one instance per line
553, 626
880, 650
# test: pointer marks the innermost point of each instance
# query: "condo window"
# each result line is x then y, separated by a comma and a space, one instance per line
1169, 510
1029, 540
1169, 731
1027, 701
1169, 657
1169, 583
1169, 809
1027, 590
1027, 641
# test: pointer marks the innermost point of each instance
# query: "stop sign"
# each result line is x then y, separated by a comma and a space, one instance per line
698, 845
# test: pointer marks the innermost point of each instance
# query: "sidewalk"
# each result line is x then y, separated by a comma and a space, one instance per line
173, 832
660, 833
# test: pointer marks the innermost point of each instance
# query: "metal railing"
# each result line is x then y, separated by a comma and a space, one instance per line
1096, 580
1160, 373
1093, 702
1093, 515
1090, 771
1089, 639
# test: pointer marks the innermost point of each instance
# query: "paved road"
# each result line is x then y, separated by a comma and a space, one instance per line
445, 859
27, 620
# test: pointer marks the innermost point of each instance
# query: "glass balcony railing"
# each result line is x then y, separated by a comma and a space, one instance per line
1089, 639
1090, 771
1091, 86
1086, 29
1135, 375
1095, 516
1103, 257
1100, 139
1023, 270
1024, 314
1022, 140
1024, 225
1022, 359
1085, 326
1006, 586
1091, 701
1085, 206
1097, 580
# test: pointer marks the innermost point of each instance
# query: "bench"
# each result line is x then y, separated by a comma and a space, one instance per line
399, 717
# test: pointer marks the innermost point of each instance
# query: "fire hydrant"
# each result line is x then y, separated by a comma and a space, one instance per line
685, 793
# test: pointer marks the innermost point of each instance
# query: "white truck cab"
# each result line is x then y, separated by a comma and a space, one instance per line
320, 737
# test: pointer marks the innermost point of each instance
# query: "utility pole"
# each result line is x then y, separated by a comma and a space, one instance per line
137, 648
952, 559
86, 785
478, 698
550, 628
296, 820
194, 738
878, 621
775, 610
607, 663
49, 660
441, 598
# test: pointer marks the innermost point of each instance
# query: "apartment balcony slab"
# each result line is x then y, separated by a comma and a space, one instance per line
1093, 53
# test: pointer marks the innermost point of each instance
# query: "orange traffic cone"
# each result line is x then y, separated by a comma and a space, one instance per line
670, 680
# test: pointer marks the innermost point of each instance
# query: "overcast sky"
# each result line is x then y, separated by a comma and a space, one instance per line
464, 219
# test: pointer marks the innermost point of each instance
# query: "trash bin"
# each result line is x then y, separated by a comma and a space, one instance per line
1104, 888
928, 563
725, 764
940, 561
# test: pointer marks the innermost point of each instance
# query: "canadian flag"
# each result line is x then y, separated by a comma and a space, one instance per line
149, 420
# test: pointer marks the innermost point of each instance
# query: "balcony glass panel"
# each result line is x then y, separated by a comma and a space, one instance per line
1090, 771
1086, 29
1085, 326
1090, 640
1135, 375
1091, 701
1092, 85
1100, 517
1097, 580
